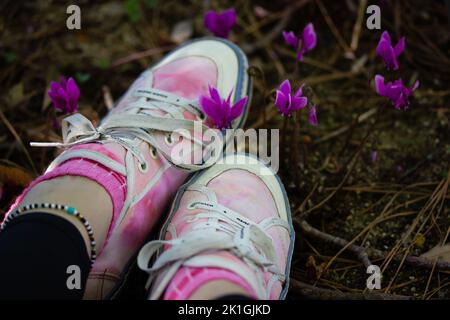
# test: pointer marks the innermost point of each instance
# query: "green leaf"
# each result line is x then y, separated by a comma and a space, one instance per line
82, 77
150, 4
133, 9
103, 63
9, 57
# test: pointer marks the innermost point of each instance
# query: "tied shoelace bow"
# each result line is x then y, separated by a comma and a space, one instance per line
153, 111
223, 229
137, 122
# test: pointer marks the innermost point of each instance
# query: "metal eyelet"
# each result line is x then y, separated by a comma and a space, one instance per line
202, 116
168, 139
153, 153
191, 206
143, 167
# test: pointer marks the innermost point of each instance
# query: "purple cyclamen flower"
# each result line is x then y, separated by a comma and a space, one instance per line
64, 95
221, 111
220, 23
291, 39
306, 43
313, 116
395, 91
389, 53
286, 102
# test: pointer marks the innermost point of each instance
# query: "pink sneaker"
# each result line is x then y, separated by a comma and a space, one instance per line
230, 222
129, 154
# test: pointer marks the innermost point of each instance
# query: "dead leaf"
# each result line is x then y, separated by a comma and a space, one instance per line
420, 240
14, 175
440, 252
16, 94
314, 271
107, 97
46, 100
260, 12
182, 31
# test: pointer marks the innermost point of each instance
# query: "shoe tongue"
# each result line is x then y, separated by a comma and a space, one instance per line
180, 77
187, 77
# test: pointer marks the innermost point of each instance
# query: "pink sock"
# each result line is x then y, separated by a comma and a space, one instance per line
188, 279
113, 183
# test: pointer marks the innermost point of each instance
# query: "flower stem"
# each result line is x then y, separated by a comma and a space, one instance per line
284, 133
295, 148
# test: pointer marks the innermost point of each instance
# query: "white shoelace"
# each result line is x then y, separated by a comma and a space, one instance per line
223, 229
154, 111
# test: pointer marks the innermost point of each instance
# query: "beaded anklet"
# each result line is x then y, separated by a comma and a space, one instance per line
69, 210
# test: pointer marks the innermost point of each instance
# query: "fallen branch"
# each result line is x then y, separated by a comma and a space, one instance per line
311, 292
359, 251
364, 253
358, 24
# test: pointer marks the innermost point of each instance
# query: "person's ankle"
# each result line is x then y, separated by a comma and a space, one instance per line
88, 197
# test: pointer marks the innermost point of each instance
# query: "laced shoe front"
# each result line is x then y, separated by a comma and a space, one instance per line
230, 222
132, 153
